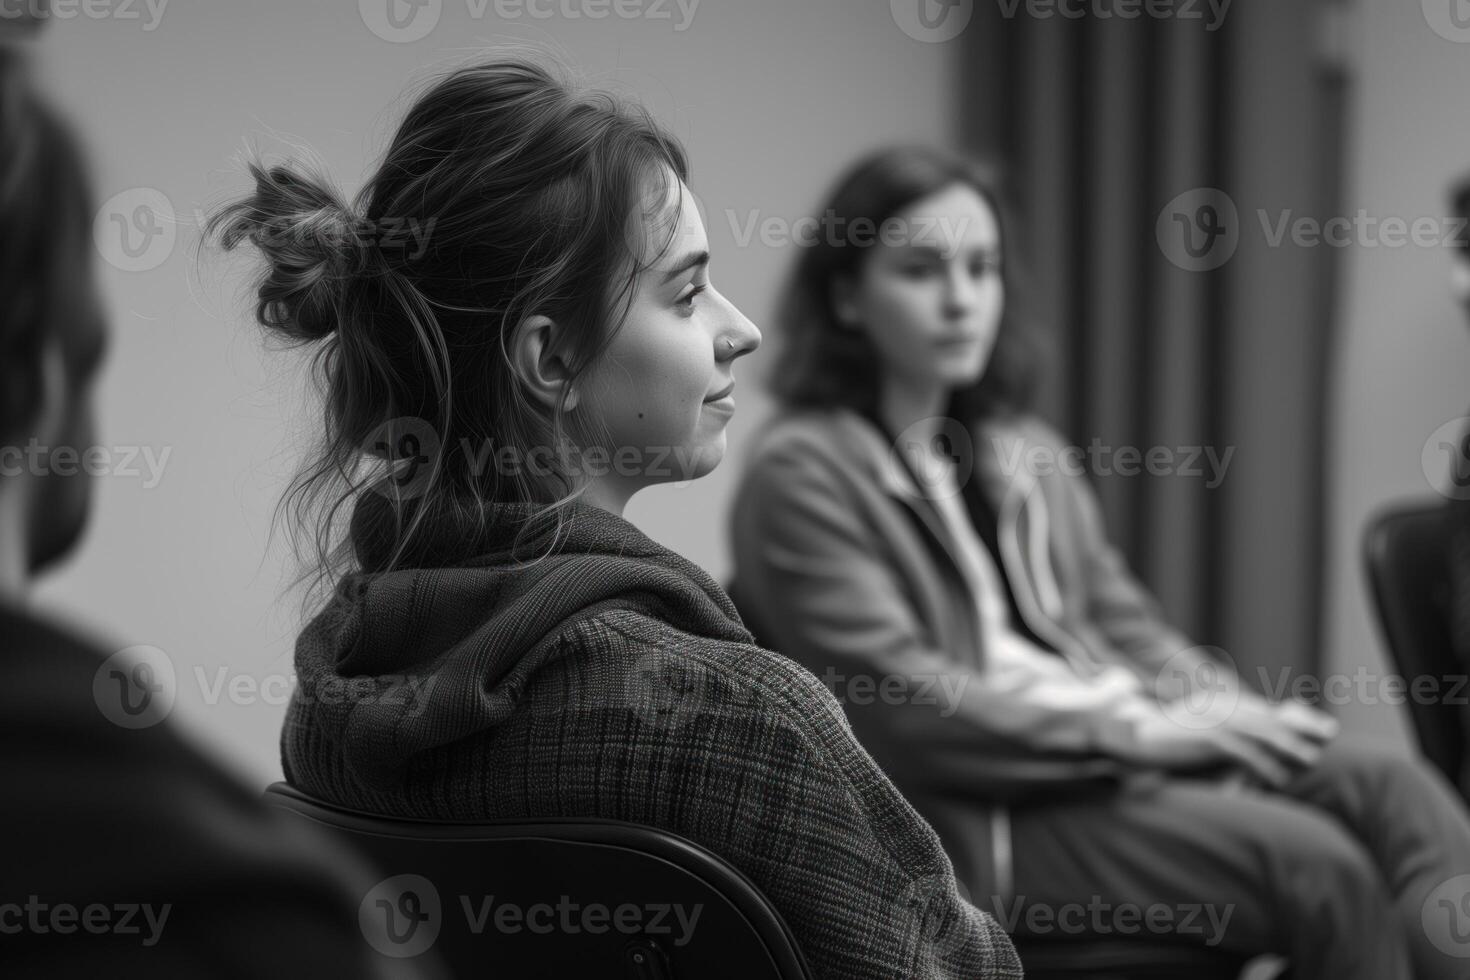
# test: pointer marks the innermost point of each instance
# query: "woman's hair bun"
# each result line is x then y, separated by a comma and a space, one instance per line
308, 236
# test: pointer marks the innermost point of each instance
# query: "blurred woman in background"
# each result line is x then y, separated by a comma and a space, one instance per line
907, 529
549, 346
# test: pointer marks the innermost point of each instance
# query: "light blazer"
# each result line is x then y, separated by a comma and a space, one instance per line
841, 564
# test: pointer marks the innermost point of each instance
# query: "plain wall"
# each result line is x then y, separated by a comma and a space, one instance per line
771, 99
1402, 362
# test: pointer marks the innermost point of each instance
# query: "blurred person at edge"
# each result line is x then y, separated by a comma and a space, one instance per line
863, 551
1458, 506
128, 853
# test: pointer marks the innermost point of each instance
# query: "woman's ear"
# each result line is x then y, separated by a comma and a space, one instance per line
537, 360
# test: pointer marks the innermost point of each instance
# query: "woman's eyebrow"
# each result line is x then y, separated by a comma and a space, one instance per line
691, 261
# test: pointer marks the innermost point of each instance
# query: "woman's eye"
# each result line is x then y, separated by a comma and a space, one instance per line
687, 300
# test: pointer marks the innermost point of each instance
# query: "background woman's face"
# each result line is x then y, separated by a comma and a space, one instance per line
931, 299
653, 387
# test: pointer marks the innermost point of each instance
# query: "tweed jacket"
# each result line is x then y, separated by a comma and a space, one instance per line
614, 679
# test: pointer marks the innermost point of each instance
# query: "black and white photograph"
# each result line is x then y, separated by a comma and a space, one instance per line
735, 489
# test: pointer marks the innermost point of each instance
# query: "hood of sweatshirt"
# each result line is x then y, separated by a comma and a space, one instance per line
442, 647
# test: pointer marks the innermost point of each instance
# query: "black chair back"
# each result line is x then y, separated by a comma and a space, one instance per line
1406, 553
558, 898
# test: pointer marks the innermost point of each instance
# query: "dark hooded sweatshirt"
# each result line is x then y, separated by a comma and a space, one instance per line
614, 679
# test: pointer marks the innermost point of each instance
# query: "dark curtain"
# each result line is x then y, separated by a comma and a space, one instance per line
1100, 123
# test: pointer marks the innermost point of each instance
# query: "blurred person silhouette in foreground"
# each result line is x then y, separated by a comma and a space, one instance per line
128, 853
910, 530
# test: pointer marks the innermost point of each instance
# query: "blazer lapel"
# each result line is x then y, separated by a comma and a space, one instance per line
999, 470
895, 480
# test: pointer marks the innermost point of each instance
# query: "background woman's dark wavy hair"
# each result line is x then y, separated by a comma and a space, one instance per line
45, 237
533, 196
826, 364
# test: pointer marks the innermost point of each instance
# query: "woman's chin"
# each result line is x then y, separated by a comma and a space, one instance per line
963, 374
706, 454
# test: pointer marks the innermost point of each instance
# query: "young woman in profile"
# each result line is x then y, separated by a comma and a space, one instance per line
495, 393
892, 533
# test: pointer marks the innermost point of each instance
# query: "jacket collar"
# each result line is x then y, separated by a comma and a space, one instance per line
993, 446
880, 458
992, 458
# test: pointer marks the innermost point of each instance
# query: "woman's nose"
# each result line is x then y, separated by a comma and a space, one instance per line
746, 335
